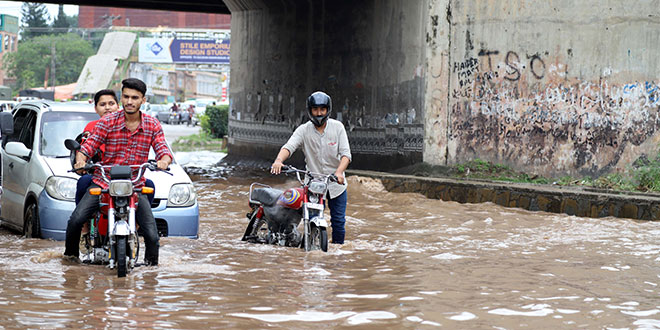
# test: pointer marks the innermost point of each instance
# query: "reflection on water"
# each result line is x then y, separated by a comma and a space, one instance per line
409, 262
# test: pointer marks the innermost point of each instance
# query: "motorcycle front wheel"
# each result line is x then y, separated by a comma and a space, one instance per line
121, 256
318, 239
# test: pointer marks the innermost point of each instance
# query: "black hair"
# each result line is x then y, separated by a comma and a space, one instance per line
102, 92
134, 83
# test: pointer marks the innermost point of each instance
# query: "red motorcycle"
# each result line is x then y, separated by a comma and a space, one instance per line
112, 237
276, 214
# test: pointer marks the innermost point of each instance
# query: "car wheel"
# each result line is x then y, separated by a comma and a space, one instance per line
31, 225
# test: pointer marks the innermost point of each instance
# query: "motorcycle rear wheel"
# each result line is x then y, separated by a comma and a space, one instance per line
121, 256
257, 231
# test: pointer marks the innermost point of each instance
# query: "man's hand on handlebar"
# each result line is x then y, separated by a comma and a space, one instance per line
340, 178
163, 165
276, 168
80, 165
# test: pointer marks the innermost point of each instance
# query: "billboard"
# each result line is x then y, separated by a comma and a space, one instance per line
171, 50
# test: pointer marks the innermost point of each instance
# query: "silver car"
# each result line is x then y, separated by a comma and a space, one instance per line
39, 192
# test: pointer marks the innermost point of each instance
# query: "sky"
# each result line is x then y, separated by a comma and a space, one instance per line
14, 8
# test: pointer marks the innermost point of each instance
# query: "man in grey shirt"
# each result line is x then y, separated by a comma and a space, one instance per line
325, 145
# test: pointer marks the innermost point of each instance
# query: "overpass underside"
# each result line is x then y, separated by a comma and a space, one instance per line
367, 55
554, 88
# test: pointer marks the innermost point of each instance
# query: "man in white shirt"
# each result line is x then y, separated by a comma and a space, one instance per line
325, 145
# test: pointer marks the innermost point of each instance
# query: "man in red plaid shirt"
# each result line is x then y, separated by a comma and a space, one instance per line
127, 135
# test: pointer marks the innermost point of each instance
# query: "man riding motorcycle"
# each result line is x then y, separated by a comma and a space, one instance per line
127, 135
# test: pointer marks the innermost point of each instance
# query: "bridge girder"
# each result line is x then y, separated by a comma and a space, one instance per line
201, 6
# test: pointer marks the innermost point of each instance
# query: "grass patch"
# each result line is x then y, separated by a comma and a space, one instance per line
481, 169
641, 176
198, 142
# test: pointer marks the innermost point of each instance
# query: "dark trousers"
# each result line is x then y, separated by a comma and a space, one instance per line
337, 207
87, 208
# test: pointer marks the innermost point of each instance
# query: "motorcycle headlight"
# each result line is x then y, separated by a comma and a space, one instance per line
120, 188
182, 194
318, 187
62, 188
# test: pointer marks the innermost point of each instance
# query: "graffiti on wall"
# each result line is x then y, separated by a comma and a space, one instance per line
525, 109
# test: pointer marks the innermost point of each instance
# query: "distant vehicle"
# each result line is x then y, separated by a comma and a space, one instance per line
39, 94
201, 104
26, 98
39, 192
7, 105
158, 111
165, 114
5, 92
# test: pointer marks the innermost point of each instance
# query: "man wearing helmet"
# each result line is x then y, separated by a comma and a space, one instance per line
325, 145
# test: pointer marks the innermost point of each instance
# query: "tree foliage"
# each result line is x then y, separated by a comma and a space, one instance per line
61, 22
218, 118
28, 64
34, 15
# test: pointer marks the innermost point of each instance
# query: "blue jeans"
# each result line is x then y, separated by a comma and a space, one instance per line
85, 180
337, 207
86, 209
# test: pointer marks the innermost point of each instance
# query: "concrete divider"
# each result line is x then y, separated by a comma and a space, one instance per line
580, 201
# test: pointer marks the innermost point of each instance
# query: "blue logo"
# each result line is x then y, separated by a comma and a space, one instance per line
156, 48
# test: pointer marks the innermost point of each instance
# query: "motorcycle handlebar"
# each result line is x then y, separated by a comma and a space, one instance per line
151, 164
288, 169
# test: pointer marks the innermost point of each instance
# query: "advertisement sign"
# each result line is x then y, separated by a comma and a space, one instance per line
170, 50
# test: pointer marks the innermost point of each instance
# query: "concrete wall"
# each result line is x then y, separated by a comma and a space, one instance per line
368, 55
553, 87
546, 198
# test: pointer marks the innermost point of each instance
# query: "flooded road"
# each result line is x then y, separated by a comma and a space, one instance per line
409, 263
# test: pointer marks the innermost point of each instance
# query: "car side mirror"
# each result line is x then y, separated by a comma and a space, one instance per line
71, 144
18, 149
6, 123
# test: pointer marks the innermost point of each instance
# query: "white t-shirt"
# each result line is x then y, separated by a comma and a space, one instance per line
323, 152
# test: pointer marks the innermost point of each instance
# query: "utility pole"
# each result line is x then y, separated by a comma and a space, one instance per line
110, 18
52, 65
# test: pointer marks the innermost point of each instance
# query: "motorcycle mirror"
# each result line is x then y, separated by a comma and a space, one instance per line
71, 144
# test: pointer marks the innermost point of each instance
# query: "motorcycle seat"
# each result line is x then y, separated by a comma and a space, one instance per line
266, 196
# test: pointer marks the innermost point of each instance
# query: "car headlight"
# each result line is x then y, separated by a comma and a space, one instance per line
62, 188
120, 188
182, 194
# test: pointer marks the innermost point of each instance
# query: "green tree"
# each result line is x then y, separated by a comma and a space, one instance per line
61, 23
73, 20
216, 120
35, 15
29, 62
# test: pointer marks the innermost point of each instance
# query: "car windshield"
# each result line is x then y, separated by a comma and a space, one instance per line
59, 126
203, 103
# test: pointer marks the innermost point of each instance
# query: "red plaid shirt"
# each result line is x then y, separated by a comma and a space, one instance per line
123, 147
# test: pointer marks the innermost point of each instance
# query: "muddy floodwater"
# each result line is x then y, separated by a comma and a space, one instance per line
409, 263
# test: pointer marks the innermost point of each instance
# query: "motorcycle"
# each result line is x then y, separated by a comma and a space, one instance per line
275, 214
112, 236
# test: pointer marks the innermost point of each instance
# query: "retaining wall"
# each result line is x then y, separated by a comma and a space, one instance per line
547, 198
